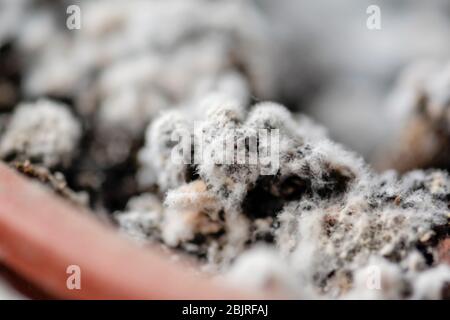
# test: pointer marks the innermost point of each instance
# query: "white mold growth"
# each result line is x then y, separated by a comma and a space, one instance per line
326, 212
44, 131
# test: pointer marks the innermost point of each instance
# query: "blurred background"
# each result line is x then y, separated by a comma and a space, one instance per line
316, 56
384, 93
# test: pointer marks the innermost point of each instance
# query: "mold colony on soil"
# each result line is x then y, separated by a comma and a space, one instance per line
325, 213
91, 115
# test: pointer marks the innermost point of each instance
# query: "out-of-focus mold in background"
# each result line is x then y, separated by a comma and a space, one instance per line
348, 71
316, 56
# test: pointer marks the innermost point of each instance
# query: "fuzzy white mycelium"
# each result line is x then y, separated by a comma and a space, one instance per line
138, 73
44, 131
329, 216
